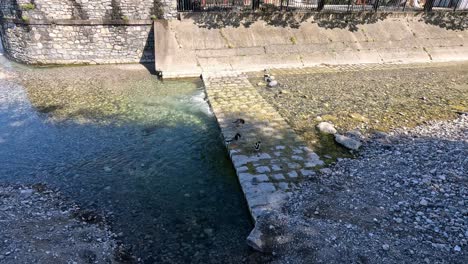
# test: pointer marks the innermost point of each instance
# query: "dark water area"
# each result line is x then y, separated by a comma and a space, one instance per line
145, 153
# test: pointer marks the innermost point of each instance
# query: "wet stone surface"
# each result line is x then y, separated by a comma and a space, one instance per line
267, 174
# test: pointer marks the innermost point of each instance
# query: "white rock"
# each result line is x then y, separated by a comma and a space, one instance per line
273, 83
326, 128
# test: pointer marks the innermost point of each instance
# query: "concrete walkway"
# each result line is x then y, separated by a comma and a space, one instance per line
266, 176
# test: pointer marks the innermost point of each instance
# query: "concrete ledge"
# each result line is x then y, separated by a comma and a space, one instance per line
209, 42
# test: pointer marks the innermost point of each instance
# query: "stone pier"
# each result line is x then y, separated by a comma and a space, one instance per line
267, 176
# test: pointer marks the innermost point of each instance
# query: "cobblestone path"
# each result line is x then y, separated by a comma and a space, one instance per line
267, 175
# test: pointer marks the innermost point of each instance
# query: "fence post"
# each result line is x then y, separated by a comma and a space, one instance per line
320, 5
428, 5
376, 5
456, 5
349, 3
404, 5
255, 4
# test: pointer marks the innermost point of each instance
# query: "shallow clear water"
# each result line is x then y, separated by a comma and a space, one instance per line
144, 152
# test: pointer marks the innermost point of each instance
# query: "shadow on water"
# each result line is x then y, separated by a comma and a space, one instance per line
146, 154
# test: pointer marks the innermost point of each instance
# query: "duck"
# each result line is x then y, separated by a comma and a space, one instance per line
159, 75
239, 122
257, 146
236, 137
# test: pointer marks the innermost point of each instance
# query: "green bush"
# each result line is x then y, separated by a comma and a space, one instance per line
25, 18
125, 18
28, 6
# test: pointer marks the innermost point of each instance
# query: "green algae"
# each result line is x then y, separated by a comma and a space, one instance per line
84, 95
366, 100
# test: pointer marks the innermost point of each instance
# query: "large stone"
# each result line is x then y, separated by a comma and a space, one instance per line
347, 142
272, 83
261, 238
255, 240
326, 128
356, 134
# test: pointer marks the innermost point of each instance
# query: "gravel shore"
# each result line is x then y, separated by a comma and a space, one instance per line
403, 200
39, 226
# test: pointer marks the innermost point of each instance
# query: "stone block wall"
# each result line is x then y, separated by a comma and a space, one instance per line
89, 9
81, 31
78, 44
98, 9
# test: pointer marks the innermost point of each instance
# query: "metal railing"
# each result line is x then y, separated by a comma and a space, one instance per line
319, 5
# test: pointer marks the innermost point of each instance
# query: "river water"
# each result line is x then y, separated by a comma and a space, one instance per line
144, 152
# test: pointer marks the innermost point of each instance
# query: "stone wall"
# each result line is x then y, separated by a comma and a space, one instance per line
78, 44
81, 31
90, 9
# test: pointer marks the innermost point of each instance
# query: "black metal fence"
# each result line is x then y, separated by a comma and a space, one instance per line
319, 5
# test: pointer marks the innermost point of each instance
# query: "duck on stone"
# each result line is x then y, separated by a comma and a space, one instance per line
266, 75
239, 122
269, 79
257, 146
235, 138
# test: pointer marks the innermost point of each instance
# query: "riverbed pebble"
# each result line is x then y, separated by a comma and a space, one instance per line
44, 225
389, 199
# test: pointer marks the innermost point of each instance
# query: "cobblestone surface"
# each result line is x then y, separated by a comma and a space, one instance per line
268, 175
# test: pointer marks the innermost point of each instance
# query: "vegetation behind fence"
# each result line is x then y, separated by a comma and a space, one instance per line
319, 5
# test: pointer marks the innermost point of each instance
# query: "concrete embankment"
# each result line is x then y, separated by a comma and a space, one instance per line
207, 42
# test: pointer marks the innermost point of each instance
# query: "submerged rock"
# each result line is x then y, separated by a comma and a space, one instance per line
326, 128
347, 142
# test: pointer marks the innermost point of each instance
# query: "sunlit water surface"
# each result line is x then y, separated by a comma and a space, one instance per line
144, 152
